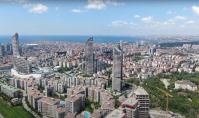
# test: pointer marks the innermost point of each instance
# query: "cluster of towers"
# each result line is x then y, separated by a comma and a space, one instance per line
117, 63
22, 65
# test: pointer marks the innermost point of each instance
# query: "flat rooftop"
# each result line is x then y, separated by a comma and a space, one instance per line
116, 114
140, 91
130, 101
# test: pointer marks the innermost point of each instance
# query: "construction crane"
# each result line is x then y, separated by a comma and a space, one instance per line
167, 95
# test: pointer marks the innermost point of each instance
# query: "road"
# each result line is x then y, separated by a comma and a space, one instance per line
26, 106
1, 116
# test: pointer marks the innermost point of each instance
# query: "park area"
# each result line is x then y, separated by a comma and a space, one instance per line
8, 111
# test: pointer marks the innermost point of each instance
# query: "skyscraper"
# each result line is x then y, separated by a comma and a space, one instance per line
21, 64
15, 45
89, 57
1, 50
117, 68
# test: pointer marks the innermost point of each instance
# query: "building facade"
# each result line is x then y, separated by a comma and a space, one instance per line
143, 99
75, 103
15, 45
131, 107
22, 65
117, 68
89, 57
47, 106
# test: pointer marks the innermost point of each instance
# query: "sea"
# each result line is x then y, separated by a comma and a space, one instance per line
97, 39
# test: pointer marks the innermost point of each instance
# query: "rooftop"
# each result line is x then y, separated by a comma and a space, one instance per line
140, 91
130, 101
49, 100
73, 98
187, 82
60, 109
35, 93
116, 114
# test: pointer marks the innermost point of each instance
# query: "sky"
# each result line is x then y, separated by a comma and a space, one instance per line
99, 17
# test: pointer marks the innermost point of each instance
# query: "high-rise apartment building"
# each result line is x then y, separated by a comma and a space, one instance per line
75, 103
47, 106
143, 99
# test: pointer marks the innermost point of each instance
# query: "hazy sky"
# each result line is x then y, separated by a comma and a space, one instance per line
99, 17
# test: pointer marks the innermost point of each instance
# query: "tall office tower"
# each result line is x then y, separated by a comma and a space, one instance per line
15, 45
89, 57
21, 64
117, 68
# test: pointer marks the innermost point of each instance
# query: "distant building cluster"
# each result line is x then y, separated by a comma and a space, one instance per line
60, 84
66, 80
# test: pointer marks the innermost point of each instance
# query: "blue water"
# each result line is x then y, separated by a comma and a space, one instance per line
97, 39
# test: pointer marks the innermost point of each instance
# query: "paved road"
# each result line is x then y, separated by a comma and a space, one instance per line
27, 108
1, 116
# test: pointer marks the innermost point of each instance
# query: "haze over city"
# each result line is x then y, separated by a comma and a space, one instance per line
99, 17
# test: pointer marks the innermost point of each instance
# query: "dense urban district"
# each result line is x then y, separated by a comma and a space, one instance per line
57, 79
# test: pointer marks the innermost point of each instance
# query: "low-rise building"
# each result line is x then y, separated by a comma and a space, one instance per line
186, 85
131, 107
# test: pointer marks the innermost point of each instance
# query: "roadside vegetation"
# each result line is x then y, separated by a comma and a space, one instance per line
64, 69
183, 101
9, 111
90, 106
